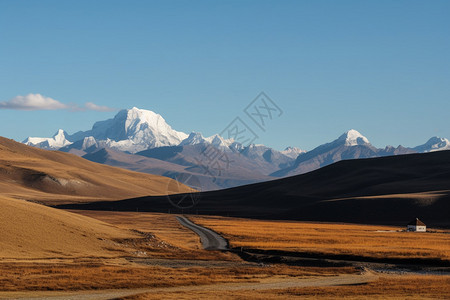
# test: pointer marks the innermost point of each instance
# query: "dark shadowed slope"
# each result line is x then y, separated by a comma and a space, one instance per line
387, 190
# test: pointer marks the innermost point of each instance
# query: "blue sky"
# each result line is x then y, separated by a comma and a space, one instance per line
381, 67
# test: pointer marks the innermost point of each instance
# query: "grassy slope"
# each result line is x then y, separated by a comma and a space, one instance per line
30, 230
55, 177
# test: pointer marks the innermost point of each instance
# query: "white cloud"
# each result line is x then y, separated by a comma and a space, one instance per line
33, 102
93, 106
38, 102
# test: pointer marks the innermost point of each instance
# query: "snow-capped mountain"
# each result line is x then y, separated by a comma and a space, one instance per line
293, 152
135, 130
350, 145
353, 138
131, 130
57, 141
348, 139
89, 142
196, 138
434, 144
145, 136
193, 139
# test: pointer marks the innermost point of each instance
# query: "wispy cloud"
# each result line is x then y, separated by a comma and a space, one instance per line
32, 102
93, 106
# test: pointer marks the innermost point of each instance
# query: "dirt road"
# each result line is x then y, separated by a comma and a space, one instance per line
210, 239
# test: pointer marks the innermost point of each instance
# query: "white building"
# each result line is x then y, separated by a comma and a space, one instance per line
416, 225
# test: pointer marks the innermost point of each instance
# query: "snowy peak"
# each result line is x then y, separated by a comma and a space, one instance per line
60, 134
194, 138
434, 144
353, 138
134, 130
257, 149
140, 119
145, 126
139, 125
58, 140
89, 142
131, 130
236, 147
293, 152
218, 141
197, 138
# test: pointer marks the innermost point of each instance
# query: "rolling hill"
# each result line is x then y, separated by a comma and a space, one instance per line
387, 190
53, 177
31, 231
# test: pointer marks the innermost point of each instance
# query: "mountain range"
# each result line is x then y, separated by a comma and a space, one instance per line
141, 140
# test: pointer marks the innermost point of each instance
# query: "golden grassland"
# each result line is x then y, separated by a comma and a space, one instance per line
48, 249
33, 231
97, 274
323, 238
147, 236
164, 226
386, 287
169, 238
394, 287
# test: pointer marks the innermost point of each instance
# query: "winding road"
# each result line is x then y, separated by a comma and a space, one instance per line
210, 239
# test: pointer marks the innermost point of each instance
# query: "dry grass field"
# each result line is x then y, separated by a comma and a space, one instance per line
163, 238
164, 226
98, 274
323, 238
48, 249
33, 231
386, 287
170, 238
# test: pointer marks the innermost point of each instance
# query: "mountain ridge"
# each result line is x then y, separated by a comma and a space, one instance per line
145, 133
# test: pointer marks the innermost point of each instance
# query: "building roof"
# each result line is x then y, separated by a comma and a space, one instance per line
416, 222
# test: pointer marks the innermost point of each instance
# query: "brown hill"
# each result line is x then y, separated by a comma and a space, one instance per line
386, 190
30, 230
54, 177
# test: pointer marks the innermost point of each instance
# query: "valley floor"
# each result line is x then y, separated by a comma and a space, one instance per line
168, 262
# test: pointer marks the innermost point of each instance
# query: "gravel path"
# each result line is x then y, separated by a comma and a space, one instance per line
210, 239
